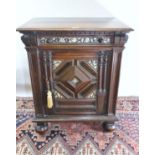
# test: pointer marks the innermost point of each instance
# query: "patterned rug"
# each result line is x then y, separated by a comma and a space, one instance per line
80, 138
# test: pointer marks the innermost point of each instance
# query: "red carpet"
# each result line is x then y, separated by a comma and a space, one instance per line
80, 138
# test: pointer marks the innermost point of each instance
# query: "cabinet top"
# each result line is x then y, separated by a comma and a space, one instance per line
74, 24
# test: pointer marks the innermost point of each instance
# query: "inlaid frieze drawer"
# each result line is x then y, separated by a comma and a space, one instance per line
76, 38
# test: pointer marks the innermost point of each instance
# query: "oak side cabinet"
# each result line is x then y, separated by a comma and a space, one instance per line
74, 67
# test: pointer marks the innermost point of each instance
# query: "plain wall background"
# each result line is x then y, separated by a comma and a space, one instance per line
123, 10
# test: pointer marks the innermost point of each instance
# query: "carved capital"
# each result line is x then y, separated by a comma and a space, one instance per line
103, 57
29, 39
121, 38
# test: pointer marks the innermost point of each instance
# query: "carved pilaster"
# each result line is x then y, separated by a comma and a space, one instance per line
47, 62
103, 59
50, 64
48, 77
46, 71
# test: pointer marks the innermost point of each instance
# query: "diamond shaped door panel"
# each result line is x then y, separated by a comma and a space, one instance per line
79, 85
75, 79
75, 86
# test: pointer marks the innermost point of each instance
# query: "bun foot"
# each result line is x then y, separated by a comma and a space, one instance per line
109, 126
41, 127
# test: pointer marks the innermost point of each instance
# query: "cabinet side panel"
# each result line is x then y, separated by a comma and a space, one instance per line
35, 74
114, 80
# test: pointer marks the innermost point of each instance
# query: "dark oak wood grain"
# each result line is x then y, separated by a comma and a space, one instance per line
78, 60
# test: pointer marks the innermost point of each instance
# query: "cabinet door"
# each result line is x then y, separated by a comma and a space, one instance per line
79, 80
